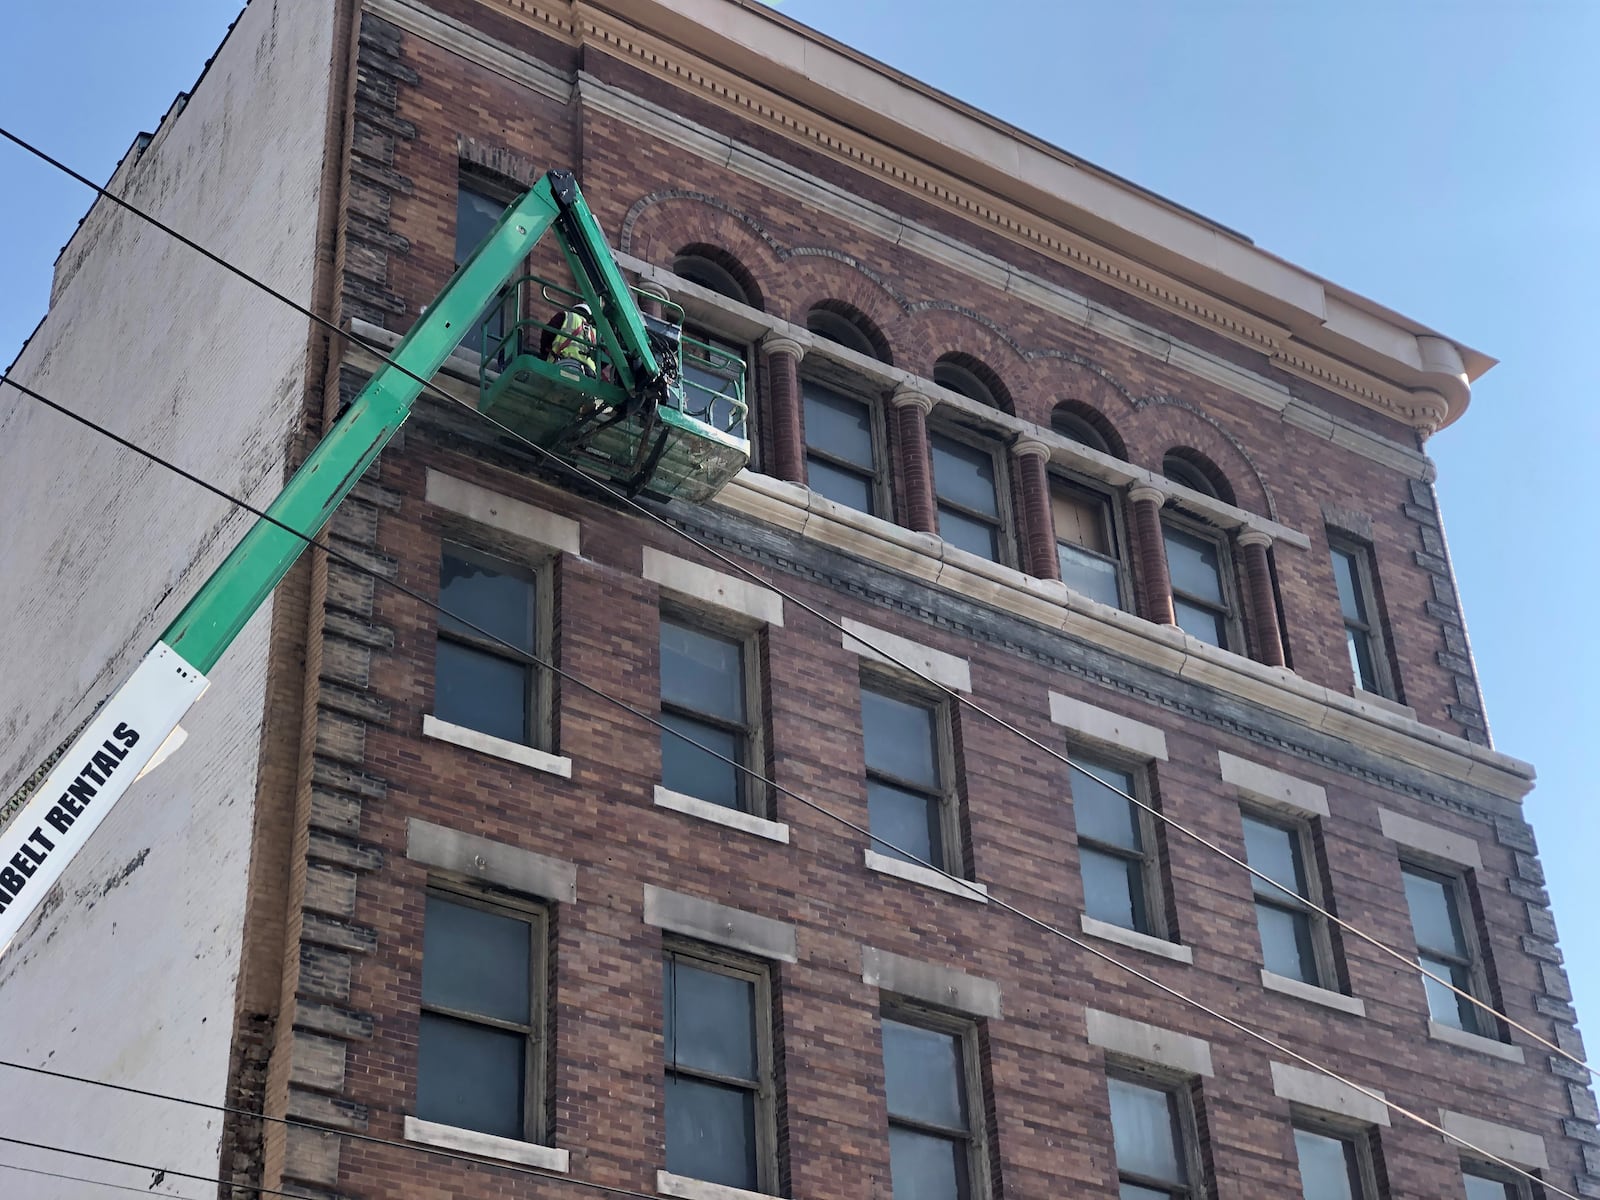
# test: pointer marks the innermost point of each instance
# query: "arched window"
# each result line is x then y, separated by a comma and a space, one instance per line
717, 271
966, 376
839, 322
1193, 470
1076, 420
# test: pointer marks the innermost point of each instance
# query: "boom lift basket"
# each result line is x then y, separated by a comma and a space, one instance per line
685, 443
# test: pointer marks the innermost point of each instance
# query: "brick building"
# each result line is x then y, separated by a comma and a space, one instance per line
1058, 445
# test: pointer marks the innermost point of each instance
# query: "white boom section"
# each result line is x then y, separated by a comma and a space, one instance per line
124, 738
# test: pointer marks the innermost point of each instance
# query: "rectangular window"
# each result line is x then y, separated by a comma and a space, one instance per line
933, 1150
1484, 1182
1363, 634
1150, 1129
966, 490
1444, 947
713, 378
478, 207
1114, 847
718, 1065
908, 803
705, 696
1201, 595
484, 674
841, 447
1290, 931
1332, 1166
1086, 542
480, 1053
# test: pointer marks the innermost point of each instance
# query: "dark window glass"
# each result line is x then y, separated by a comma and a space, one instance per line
1286, 922
703, 697
1488, 1187
964, 383
1442, 947
1080, 430
929, 1125
1199, 599
1329, 1167
476, 214
1148, 1139
711, 275
478, 1024
481, 682
841, 459
905, 786
713, 378
1111, 846
837, 327
1186, 474
715, 1070
1352, 576
964, 483
1085, 548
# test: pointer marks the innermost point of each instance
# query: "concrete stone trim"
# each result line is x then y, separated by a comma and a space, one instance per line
931, 983
1477, 1043
731, 818
879, 644
1106, 728
718, 924
1134, 940
470, 44
515, 517
703, 587
1130, 1039
492, 862
1301, 990
486, 1145
483, 743
1312, 1089
1517, 1146
684, 1188
1274, 788
1429, 839
966, 889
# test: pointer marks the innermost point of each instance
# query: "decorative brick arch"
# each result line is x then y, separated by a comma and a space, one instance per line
661, 224
936, 329
815, 278
1166, 423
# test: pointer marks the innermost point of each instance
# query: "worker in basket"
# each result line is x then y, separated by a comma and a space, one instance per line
570, 341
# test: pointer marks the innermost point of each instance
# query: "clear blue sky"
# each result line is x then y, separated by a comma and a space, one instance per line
1439, 156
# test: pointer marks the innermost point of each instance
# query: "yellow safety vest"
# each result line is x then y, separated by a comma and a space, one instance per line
575, 342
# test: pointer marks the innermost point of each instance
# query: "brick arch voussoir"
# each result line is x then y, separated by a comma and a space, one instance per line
815, 278
932, 329
1063, 375
1166, 422
659, 225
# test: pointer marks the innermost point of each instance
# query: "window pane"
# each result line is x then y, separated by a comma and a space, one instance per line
1346, 574
1080, 519
1434, 918
840, 486
711, 1132
969, 534
908, 820
495, 601
702, 671
1113, 889
475, 961
709, 1021
1359, 643
838, 425
1202, 623
1481, 1187
1194, 565
710, 375
694, 772
1132, 1191
1286, 945
1275, 852
481, 691
925, 1167
476, 214
1444, 1006
1144, 1126
900, 738
1084, 573
1102, 815
923, 1075
470, 1076
1328, 1169
963, 474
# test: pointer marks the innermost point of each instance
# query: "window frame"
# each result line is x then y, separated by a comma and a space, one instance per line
1116, 528
1179, 1090
536, 572
1490, 1173
715, 959
754, 797
987, 442
536, 1123
1359, 1137
1365, 582
502, 191
1304, 832
747, 351
1152, 869
909, 1012
1227, 578
953, 855
861, 392
1458, 890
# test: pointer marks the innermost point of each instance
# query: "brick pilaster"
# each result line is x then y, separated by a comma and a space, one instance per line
1267, 637
1155, 585
1037, 532
787, 438
911, 455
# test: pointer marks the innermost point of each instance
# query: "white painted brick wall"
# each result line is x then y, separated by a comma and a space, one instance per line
131, 978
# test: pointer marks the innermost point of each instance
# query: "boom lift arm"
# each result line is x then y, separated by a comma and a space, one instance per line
138, 725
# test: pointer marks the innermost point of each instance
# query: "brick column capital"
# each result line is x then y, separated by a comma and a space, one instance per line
1254, 537
906, 396
652, 289
782, 343
1031, 447
1144, 492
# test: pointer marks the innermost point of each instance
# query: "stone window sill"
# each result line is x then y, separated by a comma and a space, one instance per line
732, 818
1326, 997
1494, 1048
483, 743
926, 876
681, 1186
1136, 940
486, 1145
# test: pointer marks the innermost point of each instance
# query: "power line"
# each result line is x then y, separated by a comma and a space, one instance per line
757, 776
105, 1183
961, 699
